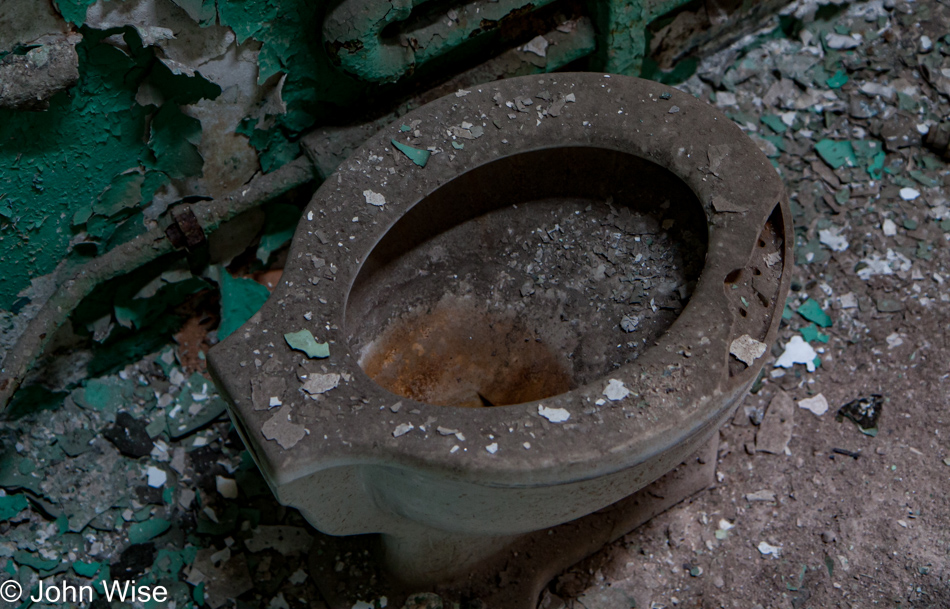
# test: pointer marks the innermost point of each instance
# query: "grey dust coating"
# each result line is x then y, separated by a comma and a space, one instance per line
566, 276
449, 486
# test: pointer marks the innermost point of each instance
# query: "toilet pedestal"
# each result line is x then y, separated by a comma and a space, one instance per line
491, 502
512, 572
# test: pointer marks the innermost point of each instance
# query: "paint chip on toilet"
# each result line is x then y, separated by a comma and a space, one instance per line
374, 198
555, 415
402, 429
280, 429
321, 383
615, 390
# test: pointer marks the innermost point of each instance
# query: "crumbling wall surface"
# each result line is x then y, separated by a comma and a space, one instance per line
173, 98
112, 110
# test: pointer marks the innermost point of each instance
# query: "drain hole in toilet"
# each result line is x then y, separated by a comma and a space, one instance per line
526, 278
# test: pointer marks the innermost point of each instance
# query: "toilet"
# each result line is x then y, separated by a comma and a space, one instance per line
527, 301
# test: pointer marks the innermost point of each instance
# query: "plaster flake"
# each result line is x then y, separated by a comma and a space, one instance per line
280, 429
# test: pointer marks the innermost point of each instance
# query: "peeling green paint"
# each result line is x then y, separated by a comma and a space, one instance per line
76, 165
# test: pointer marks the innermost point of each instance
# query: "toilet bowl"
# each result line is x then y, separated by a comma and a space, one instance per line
508, 351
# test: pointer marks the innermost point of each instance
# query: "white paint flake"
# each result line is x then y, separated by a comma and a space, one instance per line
817, 405
767, 549
747, 349
156, 477
402, 429
537, 45
615, 390
909, 194
797, 351
321, 383
374, 198
555, 415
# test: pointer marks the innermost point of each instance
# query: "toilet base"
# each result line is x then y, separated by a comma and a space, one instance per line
350, 569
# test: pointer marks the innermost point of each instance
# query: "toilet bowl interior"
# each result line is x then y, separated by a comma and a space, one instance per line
527, 277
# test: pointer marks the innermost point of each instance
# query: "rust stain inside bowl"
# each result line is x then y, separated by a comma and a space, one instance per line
457, 355
527, 278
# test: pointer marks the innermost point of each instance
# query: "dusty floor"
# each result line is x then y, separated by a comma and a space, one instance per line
842, 518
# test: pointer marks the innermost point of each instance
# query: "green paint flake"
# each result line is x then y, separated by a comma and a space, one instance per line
203, 12
275, 148
104, 394
923, 178
787, 313
62, 524
836, 153
174, 140
189, 554
11, 505
82, 216
86, 569
279, 227
124, 192
457, 145
774, 123
168, 563
811, 334
247, 17
33, 561
304, 341
198, 594
405, 128
199, 407
74, 11
837, 81
240, 299
875, 165
416, 155
812, 311
140, 532
908, 103
86, 137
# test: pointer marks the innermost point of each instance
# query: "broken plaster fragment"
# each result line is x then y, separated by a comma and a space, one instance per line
280, 429
402, 429
746, 349
817, 405
374, 198
775, 430
537, 45
304, 341
832, 238
615, 390
461, 93
226, 487
716, 154
797, 351
724, 205
156, 477
321, 383
555, 415
492, 448
767, 549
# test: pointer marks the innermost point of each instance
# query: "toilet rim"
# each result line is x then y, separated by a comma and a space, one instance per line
677, 398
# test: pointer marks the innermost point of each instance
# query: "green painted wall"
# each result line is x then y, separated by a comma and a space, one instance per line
75, 179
